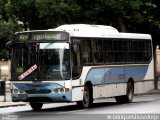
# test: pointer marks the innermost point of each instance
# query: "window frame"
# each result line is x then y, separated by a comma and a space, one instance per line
124, 51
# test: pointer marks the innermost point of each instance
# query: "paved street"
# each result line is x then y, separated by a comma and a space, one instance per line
144, 104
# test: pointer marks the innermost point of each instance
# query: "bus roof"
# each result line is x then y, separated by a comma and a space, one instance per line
86, 30
100, 31
135, 35
97, 31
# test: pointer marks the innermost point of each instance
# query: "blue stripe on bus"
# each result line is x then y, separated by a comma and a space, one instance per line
116, 75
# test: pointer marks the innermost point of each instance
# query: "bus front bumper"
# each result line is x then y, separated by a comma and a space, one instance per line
48, 92
52, 97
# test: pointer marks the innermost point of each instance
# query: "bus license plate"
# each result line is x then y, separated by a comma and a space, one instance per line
23, 95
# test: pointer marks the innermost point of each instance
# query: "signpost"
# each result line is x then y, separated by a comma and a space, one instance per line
2, 87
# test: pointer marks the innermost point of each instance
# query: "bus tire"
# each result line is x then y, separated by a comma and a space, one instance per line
87, 101
128, 97
36, 106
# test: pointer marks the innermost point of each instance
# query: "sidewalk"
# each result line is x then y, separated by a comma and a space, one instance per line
154, 91
9, 102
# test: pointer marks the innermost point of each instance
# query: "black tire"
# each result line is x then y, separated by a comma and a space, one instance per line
119, 99
128, 97
36, 106
87, 99
130, 92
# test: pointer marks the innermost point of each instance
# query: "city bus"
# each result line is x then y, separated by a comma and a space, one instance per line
80, 63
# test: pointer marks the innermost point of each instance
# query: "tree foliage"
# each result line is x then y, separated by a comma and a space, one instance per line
8, 26
126, 15
42, 14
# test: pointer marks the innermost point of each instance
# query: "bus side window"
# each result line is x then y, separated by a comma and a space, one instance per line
97, 50
128, 51
76, 61
87, 51
118, 51
108, 51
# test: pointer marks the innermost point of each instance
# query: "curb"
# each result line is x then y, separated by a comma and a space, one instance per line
11, 104
153, 91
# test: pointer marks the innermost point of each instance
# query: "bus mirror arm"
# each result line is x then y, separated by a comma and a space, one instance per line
5, 52
9, 45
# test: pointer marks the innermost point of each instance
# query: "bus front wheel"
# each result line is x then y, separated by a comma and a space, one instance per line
87, 101
36, 106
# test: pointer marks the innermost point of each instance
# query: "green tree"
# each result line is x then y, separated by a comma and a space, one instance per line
126, 15
7, 27
7, 30
42, 14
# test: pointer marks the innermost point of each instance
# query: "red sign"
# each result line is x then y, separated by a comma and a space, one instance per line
23, 95
28, 72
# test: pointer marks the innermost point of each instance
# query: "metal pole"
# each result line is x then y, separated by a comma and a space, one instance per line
4, 90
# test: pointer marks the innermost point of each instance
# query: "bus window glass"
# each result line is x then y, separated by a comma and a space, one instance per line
138, 47
118, 51
147, 51
76, 61
97, 51
52, 60
108, 51
87, 51
128, 51
108, 45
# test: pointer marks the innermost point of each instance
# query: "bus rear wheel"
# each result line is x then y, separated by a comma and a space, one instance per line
36, 106
87, 101
128, 97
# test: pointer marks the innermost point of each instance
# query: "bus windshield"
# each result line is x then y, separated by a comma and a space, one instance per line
41, 61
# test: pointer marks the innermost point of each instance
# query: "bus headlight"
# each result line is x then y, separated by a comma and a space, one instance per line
61, 90
15, 91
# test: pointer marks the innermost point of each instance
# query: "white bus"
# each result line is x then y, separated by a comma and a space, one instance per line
80, 63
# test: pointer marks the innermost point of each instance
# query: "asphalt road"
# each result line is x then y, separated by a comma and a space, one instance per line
142, 104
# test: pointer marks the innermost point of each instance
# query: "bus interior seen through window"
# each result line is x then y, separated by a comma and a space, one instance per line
112, 51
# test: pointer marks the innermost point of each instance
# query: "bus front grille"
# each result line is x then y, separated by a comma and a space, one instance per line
38, 99
40, 91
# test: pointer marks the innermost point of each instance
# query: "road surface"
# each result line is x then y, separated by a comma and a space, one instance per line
142, 104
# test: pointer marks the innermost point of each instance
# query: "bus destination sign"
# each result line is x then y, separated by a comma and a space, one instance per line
46, 36
41, 36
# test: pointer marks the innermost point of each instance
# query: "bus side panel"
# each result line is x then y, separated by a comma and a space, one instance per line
115, 80
149, 77
109, 90
137, 74
142, 76
103, 91
143, 86
96, 76
77, 93
149, 71
107, 82
148, 85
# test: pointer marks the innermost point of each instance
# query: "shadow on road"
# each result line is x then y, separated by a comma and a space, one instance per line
71, 108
